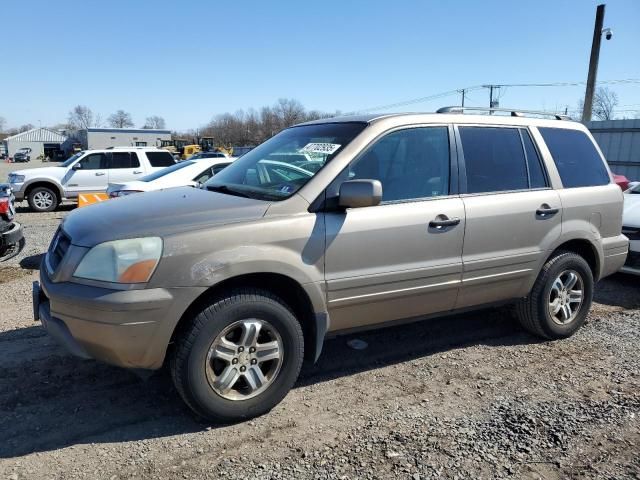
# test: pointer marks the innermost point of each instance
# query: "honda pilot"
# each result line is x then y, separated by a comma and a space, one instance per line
408, 216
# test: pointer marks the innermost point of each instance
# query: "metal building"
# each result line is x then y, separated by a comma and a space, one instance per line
41, 141
94, 138
619, 140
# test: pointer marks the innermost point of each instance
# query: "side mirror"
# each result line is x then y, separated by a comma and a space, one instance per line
360, 193
77, 166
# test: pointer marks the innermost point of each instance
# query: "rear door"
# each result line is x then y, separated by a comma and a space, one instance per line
89, 175
513, 215
124, 167
397, 259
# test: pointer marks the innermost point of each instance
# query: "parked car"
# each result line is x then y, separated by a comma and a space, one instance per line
86, 171
11, 236
188, 173
22, 155
621, 181
199, 155
631, 228
236, 283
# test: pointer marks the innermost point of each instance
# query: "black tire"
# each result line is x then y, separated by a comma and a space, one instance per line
533, 311
190, 355
37, 206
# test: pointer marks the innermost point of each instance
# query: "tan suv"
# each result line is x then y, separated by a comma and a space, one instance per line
330, 226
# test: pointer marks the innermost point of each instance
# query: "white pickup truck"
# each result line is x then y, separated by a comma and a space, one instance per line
86, 171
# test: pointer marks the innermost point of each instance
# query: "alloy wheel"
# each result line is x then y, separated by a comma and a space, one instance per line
565, 297
244, 359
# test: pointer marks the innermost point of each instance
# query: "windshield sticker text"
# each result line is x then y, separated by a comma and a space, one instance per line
326, 148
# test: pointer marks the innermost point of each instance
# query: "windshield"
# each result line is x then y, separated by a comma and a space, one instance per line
165, 171
71, 159
279, 167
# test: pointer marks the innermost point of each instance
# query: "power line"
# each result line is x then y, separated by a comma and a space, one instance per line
457, 91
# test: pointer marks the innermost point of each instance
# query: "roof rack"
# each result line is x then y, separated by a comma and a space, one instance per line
514, 113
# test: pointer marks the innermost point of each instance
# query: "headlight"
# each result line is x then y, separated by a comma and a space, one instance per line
121, 261
16, 178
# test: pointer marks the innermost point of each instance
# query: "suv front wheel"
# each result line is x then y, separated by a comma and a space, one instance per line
560, 299
42, 199
239, 357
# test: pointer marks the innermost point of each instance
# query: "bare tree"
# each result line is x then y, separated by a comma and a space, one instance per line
3, 123
154, 121
81, 117
120, 119
605, 101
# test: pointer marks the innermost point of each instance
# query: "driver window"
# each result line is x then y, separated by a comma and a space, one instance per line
411, 164
94, 161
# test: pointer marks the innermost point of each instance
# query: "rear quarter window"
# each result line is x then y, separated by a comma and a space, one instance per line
579, 163
160, 159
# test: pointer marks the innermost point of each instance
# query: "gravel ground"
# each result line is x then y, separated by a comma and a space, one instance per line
466, 396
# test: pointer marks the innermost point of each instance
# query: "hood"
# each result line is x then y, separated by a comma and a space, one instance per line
158, 214
55, 172
631, 211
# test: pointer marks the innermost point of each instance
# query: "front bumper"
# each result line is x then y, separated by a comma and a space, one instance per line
127, 328
18, 191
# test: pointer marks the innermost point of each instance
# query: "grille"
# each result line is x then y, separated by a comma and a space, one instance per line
632, 233
58, 249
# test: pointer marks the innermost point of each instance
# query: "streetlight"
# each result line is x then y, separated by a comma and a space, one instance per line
598, 31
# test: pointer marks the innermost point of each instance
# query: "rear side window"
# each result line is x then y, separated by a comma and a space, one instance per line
576, 158
494, 159
160, 159
124, 160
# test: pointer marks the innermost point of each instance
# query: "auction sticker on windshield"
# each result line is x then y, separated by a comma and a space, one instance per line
326, 148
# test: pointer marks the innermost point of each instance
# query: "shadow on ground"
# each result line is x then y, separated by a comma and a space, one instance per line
619, 290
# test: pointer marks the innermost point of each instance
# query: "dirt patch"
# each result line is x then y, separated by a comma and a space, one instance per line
9, 274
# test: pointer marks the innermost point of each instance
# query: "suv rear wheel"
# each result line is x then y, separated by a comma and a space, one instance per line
239, 357
560, 299
42, 199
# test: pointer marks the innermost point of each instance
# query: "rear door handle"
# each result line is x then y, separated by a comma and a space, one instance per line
136, 172
441, 222
545, 211
99, 174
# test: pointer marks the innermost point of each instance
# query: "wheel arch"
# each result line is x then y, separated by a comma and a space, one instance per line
44, 183
314, 325
586, 249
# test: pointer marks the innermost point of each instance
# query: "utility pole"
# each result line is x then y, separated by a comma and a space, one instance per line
492, 103
463, 91
593, 64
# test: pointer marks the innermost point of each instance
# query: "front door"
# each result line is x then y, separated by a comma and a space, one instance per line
402, 258
513, 216
89, 175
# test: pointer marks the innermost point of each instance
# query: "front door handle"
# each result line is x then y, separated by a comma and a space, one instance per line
442, 221
136, 172
99, 174
545, 211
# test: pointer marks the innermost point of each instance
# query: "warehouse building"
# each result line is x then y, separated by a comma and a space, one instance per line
42, 142
95, 138
619, 140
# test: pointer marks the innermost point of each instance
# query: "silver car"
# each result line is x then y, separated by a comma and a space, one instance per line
408, 216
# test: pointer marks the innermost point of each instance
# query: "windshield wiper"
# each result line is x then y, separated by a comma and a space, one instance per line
227, 190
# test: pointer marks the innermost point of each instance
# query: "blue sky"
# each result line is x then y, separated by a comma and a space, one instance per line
188, 61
